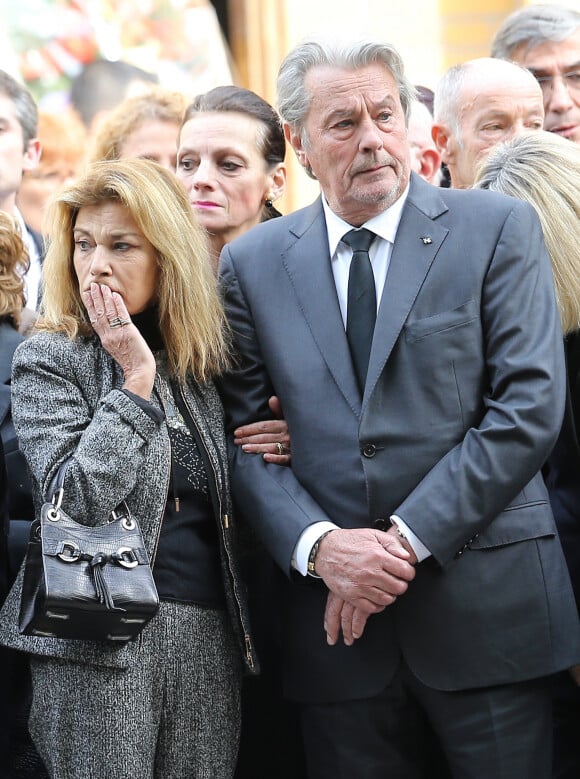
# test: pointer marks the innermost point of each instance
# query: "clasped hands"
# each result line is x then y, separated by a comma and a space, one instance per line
365, 570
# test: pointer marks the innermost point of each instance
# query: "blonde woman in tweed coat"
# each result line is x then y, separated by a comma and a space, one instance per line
119, 383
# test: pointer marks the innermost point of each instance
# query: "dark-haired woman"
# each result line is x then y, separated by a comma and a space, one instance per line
231, 162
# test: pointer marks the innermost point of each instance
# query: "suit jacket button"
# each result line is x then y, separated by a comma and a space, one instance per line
369, 450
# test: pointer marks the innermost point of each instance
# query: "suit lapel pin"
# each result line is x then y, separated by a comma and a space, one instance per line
426, 239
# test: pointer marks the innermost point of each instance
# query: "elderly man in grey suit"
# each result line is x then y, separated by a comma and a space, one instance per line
413, 520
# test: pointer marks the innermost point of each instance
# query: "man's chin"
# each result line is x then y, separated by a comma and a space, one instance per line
383, 196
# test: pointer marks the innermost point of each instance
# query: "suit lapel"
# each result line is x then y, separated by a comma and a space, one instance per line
416, 244
307, 263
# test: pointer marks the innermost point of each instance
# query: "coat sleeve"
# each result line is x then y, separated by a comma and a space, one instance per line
280, 506
60, 412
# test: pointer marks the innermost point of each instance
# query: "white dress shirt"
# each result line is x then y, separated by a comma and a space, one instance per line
385, 226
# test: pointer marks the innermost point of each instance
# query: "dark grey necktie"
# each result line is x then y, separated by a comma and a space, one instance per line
361, 311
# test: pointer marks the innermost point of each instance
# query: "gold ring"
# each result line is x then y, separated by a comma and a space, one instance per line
280, 448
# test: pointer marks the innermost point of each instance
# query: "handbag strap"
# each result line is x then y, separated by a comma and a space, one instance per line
56, 493
56, 486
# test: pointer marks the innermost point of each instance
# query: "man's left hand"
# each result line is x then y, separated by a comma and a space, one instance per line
340, 615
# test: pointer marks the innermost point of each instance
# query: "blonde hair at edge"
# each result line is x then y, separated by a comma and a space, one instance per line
155, 105
544, 169
13, 263
191, 317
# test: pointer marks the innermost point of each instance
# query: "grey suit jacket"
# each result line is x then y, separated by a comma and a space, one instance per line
463, 402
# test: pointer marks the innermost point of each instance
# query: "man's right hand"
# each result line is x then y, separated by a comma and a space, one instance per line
366, 568
365, 571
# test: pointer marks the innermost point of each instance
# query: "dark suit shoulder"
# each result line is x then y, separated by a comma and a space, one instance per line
9, 340
280, 232
38, 241
483, 200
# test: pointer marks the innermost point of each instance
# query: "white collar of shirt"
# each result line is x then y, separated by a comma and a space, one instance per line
33, 277
384, 225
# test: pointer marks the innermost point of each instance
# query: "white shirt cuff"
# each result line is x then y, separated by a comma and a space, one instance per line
416, 545
304, 545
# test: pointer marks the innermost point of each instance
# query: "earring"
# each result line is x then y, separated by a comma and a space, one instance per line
269, 203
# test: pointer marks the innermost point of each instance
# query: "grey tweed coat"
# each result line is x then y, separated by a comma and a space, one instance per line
67, 402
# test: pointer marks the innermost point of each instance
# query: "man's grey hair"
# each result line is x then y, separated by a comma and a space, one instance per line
293, 97
447, 98
24, 106
532, 26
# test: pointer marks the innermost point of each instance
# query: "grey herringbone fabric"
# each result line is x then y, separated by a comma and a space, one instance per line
173, 715
167, 703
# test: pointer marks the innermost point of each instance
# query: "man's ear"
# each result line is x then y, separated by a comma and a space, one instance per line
294, 138
430, 165
443, 141
31, 155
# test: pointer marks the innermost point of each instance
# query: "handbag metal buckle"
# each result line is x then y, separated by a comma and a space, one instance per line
53, 515
128, 523
126, 557
69, 552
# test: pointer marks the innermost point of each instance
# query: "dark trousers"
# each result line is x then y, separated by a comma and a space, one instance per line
566, 729
271, 742
410, 731
18, 756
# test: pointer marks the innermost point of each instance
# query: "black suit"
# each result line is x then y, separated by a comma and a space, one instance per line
3, 528
19, 486
563, 480
18, 757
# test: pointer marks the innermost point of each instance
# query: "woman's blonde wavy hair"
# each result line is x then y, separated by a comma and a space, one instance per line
544, 169
156, 104
13, 265
191, 317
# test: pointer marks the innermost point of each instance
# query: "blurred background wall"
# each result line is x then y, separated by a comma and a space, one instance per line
193, 45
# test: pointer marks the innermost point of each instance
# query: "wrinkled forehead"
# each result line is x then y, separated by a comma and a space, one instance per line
335, 89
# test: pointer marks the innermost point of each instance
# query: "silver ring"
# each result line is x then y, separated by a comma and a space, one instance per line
280, 447
124, 322
115, 322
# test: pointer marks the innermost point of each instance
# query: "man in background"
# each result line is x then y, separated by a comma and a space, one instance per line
479, 104
19, 152
546, 40
425, 157
104, 84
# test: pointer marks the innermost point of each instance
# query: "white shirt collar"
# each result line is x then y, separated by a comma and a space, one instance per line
384, 224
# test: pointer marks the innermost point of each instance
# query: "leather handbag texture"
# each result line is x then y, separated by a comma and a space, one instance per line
89, 583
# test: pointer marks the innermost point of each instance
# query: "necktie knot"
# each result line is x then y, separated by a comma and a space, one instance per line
359, 240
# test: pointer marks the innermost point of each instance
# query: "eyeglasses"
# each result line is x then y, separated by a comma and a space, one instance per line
570, 80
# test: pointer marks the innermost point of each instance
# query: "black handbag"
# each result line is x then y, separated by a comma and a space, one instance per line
81, 582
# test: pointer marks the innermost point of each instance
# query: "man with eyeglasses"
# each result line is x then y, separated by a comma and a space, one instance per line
546, 40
